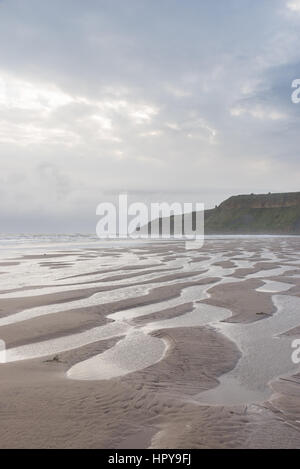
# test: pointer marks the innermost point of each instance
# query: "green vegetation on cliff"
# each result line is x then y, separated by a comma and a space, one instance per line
256, 214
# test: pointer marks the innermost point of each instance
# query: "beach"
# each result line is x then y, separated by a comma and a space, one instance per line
147, 344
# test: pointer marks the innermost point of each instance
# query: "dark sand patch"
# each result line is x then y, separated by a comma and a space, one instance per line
225, 264
58, 413
14, 305
8, 264
242, 299
167, 313
242, 272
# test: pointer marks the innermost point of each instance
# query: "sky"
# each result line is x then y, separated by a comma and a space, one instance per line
164, 100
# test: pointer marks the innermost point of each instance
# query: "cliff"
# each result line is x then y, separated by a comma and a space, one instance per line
281, 200
255, 214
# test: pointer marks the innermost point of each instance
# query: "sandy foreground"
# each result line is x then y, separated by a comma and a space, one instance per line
151, 346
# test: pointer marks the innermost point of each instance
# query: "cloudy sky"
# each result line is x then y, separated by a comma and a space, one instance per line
163, 99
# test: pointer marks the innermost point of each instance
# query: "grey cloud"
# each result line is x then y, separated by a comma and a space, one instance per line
151, 97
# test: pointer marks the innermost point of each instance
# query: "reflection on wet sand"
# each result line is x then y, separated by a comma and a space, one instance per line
154, 321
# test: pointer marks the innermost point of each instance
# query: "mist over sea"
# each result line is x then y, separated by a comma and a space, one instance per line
27, 241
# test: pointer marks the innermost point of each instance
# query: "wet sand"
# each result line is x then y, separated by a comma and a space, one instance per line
137, 347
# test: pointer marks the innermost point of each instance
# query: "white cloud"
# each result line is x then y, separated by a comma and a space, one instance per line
172, 125
136, 109
141, 114
196, 128
151, 133
34, 113
21, 94
104, 122
258, 112
294, 5
29, 134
